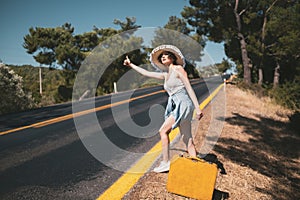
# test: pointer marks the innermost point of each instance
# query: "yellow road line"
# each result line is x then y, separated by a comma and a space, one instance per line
129, 179
70, 116
210, 97
16, 129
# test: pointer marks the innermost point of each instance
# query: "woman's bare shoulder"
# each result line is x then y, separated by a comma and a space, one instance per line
179, 69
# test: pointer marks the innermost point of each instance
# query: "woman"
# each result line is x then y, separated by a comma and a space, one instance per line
182, 99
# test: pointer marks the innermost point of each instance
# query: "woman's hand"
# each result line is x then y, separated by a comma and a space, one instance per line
199, 114
127, 61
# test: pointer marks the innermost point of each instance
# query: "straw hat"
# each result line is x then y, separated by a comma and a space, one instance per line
160, 49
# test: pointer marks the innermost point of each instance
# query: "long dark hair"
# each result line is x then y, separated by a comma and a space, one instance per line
170, 54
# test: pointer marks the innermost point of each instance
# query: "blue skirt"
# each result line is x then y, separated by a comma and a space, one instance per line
180, 107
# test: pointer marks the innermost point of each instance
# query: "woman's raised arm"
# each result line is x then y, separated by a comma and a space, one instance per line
157, 75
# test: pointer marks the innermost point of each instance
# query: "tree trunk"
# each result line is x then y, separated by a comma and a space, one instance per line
276, 75
263, 48
260, 76
41, 81
263, 34
247, 71
245, 58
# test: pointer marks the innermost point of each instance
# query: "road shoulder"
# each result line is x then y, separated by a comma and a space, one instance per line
256, 149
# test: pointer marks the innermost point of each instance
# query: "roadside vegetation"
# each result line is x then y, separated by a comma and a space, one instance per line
13, 97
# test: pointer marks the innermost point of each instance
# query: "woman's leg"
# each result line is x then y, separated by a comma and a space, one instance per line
164, 136
185, 130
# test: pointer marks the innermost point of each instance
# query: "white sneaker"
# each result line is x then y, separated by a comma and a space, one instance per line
163, 167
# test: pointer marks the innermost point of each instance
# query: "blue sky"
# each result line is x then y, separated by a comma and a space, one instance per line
16, 17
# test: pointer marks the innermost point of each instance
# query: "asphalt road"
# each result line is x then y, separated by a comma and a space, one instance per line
51, 161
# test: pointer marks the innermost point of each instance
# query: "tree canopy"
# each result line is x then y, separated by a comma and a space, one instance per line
259, 36
252, 32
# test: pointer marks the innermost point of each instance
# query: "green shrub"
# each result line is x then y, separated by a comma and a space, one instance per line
253, 88
13, 97
287, 95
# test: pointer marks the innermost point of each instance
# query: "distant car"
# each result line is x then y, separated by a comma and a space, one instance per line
229, 78
226, 76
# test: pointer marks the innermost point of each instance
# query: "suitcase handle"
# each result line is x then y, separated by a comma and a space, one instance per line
198, 159
194, 158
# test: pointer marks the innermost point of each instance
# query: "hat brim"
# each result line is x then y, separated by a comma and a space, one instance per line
159, 50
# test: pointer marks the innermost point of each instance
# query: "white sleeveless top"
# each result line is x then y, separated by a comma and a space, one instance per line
173, 83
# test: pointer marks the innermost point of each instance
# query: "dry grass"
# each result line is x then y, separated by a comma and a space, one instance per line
257, 148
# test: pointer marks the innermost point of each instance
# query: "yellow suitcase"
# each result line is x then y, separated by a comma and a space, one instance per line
192, 177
